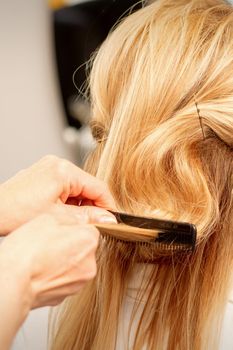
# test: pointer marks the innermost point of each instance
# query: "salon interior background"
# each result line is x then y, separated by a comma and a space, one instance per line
42, 44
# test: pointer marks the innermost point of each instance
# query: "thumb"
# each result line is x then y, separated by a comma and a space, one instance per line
91, 215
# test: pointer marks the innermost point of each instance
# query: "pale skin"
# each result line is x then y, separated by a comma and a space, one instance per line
50, 251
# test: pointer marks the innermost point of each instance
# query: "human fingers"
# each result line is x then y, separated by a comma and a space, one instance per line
66, 285
76, 265
51, 255
71, 214
49, 181
80, 184
48, 299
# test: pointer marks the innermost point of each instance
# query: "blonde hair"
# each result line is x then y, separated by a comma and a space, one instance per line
162, 158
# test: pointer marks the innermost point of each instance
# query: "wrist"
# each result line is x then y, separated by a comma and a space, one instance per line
14, 302
15, 284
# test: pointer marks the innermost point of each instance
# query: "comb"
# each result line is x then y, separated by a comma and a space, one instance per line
165, 234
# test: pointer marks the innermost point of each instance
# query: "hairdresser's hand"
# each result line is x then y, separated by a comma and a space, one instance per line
54, 254
51, 180
44, 261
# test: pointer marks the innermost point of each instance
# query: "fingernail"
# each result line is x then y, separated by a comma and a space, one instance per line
107, 220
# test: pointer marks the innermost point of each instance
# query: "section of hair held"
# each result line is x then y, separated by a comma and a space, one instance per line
145, 80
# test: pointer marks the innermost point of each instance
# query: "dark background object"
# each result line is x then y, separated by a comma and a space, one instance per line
78, 31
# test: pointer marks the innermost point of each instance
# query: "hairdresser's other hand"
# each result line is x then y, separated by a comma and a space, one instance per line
52, 255
51, 180
44, 261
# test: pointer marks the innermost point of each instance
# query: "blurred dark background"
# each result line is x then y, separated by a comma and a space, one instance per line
79, 30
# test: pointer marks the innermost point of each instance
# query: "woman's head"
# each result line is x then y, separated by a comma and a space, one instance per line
145, 83
162, 98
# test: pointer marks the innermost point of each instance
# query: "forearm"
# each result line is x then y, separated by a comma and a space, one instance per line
7, 216
4, 217
14, 301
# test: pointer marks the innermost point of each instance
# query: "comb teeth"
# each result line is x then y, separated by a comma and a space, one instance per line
183, 240
161, 248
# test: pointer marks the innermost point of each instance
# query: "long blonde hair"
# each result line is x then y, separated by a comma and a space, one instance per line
162, 101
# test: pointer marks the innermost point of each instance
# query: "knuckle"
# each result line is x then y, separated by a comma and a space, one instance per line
50, 158
59, 166
62, 168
